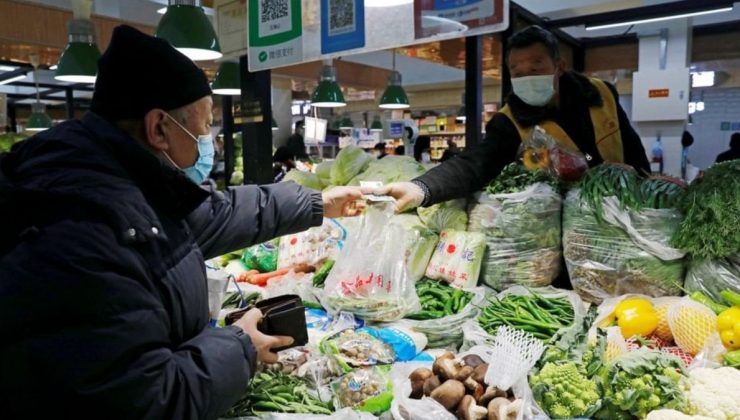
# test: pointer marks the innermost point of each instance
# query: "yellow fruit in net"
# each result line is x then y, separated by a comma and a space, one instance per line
663, 330
691, 324
615, 344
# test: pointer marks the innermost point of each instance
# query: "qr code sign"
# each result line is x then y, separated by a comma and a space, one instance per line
341, 16
274, 10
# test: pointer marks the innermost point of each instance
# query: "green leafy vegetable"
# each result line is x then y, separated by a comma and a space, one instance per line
350, 161
610, 179
563, 392
447, 215
390, 169
303, 178
515, 178
661, 192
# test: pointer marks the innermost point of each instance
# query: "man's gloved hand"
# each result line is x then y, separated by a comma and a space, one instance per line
407, 194
344, 201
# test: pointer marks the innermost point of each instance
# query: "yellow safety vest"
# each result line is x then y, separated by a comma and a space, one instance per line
604, 118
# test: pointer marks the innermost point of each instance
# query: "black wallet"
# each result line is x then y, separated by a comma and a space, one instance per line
281, 315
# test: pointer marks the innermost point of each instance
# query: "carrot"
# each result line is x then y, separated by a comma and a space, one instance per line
242, 277
261, 279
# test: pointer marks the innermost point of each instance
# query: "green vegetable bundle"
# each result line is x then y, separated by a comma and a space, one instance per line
660, 192
522, 228
7, 140
541, 316
610, 179
564, 392
276, 392
712, 208
639, 382
439, 300
320, 277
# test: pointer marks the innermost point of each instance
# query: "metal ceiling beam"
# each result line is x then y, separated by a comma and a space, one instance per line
643, 12
13, 73
56, 88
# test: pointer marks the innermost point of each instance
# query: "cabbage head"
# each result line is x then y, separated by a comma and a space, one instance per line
390, 169
303, 178
448, 215
350, 161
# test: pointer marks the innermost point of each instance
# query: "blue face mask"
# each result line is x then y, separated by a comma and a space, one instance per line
203, 165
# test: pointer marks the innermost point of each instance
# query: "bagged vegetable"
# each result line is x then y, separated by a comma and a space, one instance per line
540, 151
522, 230
370, 278
350, 161
390, 169
457, 258
261, 257
610, 250
420, 244
711, 276
367, 390
406, 344
444, 311
313, 246
449, 215
356, 349
303, 178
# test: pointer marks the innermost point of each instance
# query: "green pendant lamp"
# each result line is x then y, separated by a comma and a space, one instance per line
79, 60
376, 126
327, 93
39, 119
346, 124
394, 96
186, 26
227, 80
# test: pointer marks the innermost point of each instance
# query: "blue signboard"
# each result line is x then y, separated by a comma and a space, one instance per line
342, 25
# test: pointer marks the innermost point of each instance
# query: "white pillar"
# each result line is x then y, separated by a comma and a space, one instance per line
663, 70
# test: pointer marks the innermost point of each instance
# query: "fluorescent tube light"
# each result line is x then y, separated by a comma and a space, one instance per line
7, 68
658, 19
12, 79
54, 67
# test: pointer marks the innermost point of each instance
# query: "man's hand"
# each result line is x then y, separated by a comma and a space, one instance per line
343, 201
263, 343
407, 194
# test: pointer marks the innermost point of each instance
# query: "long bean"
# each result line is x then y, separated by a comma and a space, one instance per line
538, 315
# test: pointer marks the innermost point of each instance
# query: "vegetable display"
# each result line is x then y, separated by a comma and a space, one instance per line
350, 161
389, 169
519, 214
439, 300
563, 392
276, 392
714, 393
447, 215
540, 316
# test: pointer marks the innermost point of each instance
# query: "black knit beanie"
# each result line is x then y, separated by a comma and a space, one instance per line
138, 73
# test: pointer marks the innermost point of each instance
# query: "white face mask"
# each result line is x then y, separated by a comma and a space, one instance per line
534, 90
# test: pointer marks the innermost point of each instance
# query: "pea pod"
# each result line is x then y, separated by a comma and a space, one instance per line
730, 297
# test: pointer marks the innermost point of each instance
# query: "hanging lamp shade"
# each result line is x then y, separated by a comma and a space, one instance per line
79, 60
327, 93
376, 126
227, 80
394, 96
346, 124
39, 119
186, 26
274, 125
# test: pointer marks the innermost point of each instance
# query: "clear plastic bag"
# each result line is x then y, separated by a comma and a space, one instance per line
447, 332
626, 252
365, 389
420, 244
370, 278
541, 151
312, 246
457, 258
523, 233
712, 276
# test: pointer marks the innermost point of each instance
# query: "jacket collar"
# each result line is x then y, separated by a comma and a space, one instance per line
575, 90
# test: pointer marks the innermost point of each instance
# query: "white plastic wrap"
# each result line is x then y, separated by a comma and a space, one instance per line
712, 276
523, 233
626, 252
312, 246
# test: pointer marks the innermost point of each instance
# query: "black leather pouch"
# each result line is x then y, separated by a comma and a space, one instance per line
281, 315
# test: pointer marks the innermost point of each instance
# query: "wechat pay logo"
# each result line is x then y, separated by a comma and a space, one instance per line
262, 56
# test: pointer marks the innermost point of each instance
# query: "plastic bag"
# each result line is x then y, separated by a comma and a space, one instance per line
370, 278
312, 246
457, 258
420, 244
626, 252
522, 236
261, 257
406, 344
365, 389
405, 408
712, 276
293, 284
447, 332
218, 282
541, 151
449, 215
356, 349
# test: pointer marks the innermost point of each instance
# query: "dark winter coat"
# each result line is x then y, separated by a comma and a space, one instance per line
103, 296
477, 166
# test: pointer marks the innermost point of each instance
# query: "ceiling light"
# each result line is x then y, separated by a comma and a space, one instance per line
227, 80
79, 60
394, 96
162, 10
327, 93
346, 124
54, 67
658, 19
7, 68
12, 79
39, 120
376, 126
186, 26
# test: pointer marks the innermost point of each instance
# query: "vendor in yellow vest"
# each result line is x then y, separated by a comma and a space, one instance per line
582, 114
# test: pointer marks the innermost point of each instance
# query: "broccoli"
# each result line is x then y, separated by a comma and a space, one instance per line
563, 392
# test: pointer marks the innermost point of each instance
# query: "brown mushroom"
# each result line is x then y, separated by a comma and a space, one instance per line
490, 393
474, 388
463, 373
512, 410
468, 410
497, 408
446, 360
431, 384
479, 373
418, 377
472, 360
449, 394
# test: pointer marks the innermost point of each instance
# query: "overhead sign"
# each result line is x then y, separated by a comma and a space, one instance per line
275, 34
434, 17
342, 25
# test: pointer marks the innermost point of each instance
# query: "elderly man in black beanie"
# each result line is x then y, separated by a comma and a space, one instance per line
103, 295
